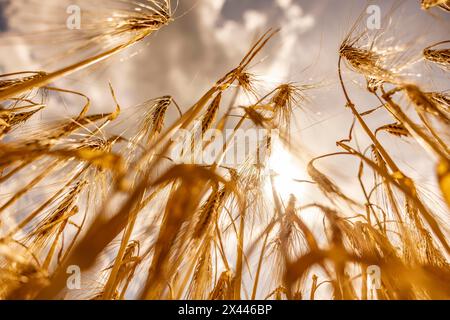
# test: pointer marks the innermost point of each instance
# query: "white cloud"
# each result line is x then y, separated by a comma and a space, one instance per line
254, 20
235, 36
285, 4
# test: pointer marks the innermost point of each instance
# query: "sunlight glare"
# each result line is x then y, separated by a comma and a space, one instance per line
287, 170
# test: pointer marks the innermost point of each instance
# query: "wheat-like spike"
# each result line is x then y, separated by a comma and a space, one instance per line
257, 117
246, 81
441, 100
326, 185
396, 129
28, 76
368, 64
208, 212
57, 218
445, 6
291, 235
428, 4
441, 57
211, 113
201, 279
127, 268
10, 120
286, 97
438, 56
422, 102
159, 115
223, 289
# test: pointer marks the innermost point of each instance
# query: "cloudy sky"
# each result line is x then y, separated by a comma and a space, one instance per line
209, 37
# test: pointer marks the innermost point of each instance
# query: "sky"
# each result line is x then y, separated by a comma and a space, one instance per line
208, 38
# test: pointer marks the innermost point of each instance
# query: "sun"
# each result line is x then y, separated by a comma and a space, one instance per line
287, 172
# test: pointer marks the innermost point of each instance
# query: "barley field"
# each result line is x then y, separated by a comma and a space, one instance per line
224, 150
